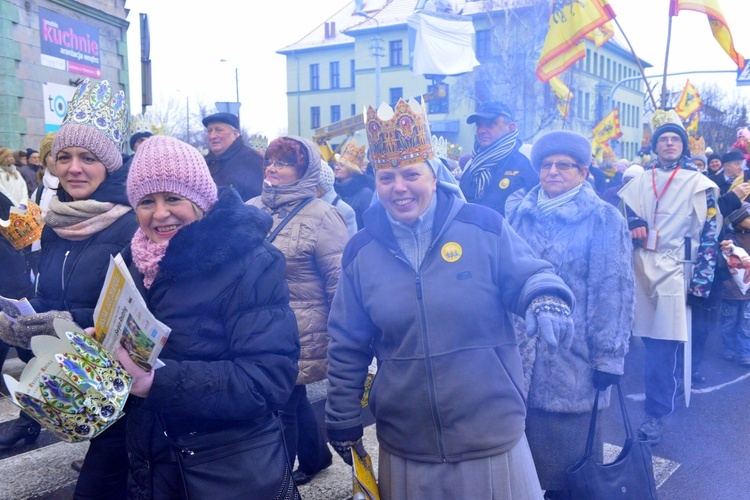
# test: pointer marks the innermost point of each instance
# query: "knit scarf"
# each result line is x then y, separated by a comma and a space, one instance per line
547, 205
147, 255
78, 220
9, 170
483, 159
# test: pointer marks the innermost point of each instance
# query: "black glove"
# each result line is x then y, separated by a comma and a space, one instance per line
344, 449
602, 380
342, 440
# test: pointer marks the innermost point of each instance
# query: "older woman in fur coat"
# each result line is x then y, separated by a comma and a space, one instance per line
588, 243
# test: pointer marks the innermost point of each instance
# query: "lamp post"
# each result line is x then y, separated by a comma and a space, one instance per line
375, 51
187, 116
236, 87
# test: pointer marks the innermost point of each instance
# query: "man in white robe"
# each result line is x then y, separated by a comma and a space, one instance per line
670, 205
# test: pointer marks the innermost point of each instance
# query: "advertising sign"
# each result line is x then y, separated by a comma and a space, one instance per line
69, 44
56, 99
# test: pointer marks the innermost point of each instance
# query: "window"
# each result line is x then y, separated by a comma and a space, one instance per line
587, 105
354, 110
609, 69
579, 104
483, 48
439, 100
588, 60
315, 117
395, 94
335, 113
596, 63
314, 77
335, 75
396, 52
351, 73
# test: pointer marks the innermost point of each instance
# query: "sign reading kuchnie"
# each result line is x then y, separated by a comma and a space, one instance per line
69, 45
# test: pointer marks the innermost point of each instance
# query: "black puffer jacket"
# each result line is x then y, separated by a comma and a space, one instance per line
231, 358
71, 273
240, 166
358, 194
15, 282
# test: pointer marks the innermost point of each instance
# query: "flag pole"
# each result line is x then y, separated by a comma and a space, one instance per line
666, 59
638, 62
568, 99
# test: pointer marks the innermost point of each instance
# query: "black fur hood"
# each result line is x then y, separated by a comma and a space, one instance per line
228, 231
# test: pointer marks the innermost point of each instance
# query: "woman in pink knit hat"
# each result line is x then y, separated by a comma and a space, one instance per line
205, 270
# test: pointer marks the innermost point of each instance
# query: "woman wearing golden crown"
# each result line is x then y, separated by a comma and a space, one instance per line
87, 221
447, 397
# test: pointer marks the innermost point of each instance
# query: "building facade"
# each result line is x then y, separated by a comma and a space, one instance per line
47, 47
354, 60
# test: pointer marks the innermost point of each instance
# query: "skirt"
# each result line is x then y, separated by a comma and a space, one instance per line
507, 476
557, 441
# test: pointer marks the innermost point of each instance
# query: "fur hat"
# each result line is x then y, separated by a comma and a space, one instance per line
326, 177
562, 142
5, 153
164, 164
45, 147
732, 155
668, 121
740, 214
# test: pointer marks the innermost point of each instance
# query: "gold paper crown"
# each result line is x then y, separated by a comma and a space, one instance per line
454, 151
353, 156
95, 106
662, 117
696, 146
24, 226
72, 387
400, 136
140, 124
440, 146
259, 142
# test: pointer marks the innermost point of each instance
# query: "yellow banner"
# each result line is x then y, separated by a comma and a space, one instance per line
601, 34
569, 22
689, 103
719, 26
563, 96
608, 128
692, 126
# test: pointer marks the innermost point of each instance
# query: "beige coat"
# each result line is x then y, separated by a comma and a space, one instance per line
312, 243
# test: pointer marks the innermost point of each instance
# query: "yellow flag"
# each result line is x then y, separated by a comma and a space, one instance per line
601, 34
692, 126
719, 26
562, 94
608, 128
568, 25
689, 102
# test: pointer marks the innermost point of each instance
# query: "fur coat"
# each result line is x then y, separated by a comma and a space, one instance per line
588, 243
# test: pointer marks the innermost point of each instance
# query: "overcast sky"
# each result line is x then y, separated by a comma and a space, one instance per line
187, 45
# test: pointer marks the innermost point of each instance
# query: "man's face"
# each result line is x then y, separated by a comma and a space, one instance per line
669, 148
488, 131
733, 169
220, 136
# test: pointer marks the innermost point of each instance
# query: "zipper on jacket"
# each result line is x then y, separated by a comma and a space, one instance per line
62, 277
428, 365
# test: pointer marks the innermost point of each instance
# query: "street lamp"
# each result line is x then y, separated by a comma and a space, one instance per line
187, 116
376, 53
236, 86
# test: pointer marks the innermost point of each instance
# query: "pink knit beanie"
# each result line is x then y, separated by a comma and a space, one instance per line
88, 137
164, 164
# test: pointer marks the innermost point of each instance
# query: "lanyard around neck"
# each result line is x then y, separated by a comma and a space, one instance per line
664, 189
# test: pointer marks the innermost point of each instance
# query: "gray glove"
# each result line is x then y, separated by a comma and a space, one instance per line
31, 325
550, 317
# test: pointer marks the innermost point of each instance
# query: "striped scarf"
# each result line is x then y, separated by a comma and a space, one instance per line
78, 220
483, 159
547, 205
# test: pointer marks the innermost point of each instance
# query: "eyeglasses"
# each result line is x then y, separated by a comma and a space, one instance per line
277, 164
562, 166
665, 140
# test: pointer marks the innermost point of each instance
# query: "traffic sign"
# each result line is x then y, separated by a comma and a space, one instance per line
743, 75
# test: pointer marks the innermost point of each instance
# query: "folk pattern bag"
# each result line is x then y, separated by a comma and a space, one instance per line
629, 477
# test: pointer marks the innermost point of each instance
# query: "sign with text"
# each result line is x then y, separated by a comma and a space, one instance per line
69, 44
743, 75
56, 99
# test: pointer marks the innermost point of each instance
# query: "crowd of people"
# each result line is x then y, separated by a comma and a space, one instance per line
275, 269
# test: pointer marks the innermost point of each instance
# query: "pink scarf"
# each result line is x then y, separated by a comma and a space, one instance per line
147, 255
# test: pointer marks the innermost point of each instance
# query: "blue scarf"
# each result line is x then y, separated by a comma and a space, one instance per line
483, 159
547, 205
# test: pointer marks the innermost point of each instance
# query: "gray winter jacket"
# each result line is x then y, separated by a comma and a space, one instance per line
448, 386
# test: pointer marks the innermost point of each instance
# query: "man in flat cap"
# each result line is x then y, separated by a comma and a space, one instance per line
497, 168
230, 161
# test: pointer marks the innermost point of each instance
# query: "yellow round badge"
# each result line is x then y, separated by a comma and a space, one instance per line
710, 212
451, 251
504, 183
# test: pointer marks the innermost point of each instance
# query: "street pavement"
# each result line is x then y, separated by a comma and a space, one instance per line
703, 454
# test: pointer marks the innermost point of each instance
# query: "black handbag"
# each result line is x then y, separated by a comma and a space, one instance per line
630, 476
235, 462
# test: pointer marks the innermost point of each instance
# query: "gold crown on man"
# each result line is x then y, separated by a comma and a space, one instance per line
24, 226
398, 136
353, 156
662, 117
